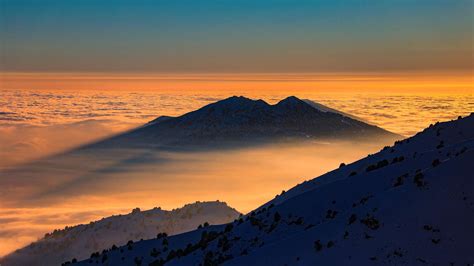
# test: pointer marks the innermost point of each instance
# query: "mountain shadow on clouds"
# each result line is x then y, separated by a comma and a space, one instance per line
235, 122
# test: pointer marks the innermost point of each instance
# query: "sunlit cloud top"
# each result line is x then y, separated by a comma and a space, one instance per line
235, 36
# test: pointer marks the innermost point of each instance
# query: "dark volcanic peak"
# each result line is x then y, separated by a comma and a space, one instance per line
235, 100
292, 104
235, 103
241, 103
239, 106
243, 120
291, 100
244, 102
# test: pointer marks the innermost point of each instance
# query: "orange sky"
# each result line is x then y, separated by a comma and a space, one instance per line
436, 82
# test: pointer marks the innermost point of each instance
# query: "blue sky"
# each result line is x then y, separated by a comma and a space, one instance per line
235, 36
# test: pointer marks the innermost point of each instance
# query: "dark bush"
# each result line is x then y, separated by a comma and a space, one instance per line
379, 164
317, 245
137, 261
352, 219
440, 145
398, 159
399, 181
330, 244
276, 217
104, 258
371, 222
228, 228
428, 227
418, 179
161, 235
298, 221
154, 253
171, 255
330, 214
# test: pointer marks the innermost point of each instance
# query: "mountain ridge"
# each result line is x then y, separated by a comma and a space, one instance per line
242, 120
81, 240
382, 209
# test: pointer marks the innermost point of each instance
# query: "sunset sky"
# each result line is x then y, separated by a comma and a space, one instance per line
236, 36
75, 71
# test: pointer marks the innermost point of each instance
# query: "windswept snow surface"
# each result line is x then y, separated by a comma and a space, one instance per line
81, 240
409, 204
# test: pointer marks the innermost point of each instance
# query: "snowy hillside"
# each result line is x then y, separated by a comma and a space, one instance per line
409, 204
238, 119
82, 240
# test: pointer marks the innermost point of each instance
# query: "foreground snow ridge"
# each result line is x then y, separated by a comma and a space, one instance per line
409, 204
82, 240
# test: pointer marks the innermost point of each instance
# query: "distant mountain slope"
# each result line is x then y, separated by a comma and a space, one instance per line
242, 119
324, 108
409, 204
82, 240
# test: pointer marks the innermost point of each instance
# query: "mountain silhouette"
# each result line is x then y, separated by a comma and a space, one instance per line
240, 119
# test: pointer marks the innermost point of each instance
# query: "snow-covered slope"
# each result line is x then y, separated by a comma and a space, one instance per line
409, 204
82, 240
239, 119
